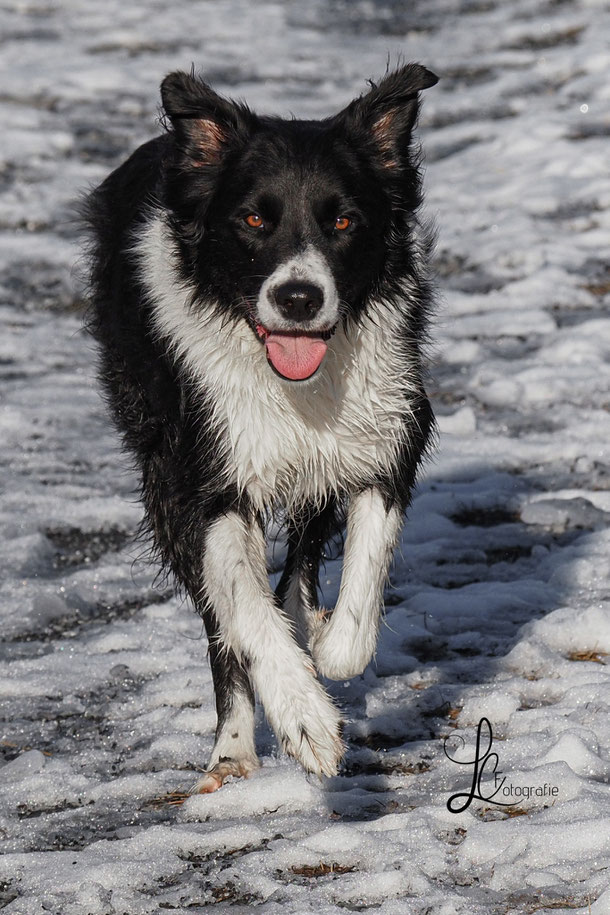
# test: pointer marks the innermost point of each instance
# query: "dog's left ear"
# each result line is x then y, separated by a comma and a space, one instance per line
386, 115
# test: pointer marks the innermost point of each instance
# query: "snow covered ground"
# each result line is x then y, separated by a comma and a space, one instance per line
499, 606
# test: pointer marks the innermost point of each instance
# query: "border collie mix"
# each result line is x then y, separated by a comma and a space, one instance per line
259, 295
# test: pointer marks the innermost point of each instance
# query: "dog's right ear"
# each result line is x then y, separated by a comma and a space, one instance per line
204, 123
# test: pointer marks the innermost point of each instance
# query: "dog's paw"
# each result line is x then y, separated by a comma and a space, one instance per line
313, 737
215, 777
307, 724
316, 621
340, 648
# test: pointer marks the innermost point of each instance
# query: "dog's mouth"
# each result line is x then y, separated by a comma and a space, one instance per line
294, 354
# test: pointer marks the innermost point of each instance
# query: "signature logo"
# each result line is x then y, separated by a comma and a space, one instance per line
484, 763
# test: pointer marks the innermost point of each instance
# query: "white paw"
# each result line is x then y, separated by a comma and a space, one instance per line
311, 734
216, 776
307, 724
339, 647
316, 621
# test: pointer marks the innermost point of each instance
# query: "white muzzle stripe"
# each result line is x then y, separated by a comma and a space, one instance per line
309, 267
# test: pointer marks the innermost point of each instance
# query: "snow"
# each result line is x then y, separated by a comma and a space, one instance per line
499, 603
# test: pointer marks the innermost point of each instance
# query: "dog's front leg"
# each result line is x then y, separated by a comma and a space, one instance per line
343, 643
251, 624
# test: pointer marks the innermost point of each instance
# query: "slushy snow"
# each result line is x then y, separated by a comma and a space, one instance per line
499, 602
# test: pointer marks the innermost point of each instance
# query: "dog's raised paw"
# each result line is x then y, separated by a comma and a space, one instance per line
340, 655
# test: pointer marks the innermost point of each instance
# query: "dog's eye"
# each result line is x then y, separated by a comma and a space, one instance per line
342, 223
254, 221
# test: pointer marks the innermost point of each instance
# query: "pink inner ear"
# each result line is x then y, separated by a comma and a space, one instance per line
208, 139
382, 131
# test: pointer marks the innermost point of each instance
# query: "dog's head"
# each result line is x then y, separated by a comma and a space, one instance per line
293, 226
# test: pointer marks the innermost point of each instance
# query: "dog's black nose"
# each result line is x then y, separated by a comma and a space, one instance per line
298, 301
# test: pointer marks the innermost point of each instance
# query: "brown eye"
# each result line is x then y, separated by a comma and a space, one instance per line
254, 221
342, 223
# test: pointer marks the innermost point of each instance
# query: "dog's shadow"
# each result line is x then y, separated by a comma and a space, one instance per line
473, 570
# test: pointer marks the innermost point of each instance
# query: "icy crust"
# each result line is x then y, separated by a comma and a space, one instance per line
499, 605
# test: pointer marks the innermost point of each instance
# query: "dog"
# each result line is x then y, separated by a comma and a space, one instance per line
259, 295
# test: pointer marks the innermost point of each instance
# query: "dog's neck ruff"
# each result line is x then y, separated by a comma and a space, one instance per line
284, 443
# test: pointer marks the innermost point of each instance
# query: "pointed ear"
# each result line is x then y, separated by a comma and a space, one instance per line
386, 115
204, 123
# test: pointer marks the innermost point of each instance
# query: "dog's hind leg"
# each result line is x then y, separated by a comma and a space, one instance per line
308, 531
251, 624
343, 643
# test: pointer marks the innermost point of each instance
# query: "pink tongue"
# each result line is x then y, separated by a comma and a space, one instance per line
295, 356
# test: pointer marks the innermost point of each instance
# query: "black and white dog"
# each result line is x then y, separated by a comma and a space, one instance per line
259, 295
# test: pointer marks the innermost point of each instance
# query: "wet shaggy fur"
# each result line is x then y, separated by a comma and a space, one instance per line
259, 295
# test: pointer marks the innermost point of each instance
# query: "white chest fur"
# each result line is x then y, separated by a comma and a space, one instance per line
286, 441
